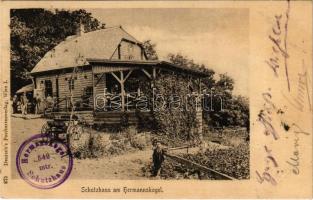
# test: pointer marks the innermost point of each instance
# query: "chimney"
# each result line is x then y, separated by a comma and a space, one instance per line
80, 29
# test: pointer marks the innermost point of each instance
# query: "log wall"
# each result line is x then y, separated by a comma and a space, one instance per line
82, 80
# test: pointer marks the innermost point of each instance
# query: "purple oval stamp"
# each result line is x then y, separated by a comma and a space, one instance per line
44, 163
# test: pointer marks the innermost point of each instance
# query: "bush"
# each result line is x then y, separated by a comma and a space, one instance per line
116, 147
139, 142
127, 140
228, 136
233, 161
97, 146
88, 145
176, 118
93, 144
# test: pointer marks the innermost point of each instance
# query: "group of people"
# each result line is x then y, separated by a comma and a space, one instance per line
25, 105
21, 104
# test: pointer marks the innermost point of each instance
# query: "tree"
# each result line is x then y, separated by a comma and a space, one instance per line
180, 60
36, 31
150, 51
184, 61
234, 110
227, 109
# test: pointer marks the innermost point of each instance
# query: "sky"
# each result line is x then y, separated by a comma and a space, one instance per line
216, 37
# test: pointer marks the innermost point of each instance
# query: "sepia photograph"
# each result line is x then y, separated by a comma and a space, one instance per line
158, 97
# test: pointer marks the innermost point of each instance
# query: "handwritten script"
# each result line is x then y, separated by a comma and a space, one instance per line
278, 38
303, 98
277, 125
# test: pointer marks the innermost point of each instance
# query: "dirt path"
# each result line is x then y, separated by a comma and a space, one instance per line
22, 129
127, 166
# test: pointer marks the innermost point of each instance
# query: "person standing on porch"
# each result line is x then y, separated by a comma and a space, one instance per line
49, 102
37, 103
24, 102
115, 90
14, 104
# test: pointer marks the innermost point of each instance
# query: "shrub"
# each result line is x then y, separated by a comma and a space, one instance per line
139, 142
95, 144
233, 161
228, 136
88, 145
175, 114
127, 140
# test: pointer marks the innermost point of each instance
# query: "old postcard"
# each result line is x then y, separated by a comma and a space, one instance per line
156, 99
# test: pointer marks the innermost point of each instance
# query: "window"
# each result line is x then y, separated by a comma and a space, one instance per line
71, 84
86, 97
88, 91
130, 47
48, 88
130, 51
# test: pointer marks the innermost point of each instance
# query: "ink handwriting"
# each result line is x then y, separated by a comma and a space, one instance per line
278, 38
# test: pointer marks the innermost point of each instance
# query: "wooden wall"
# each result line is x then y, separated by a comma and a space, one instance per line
99, 88
81, 81
40, 81
129, 51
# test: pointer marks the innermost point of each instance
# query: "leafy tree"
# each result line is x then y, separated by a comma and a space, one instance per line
226, 109
36, 31
150, 51
184, 61
180, 60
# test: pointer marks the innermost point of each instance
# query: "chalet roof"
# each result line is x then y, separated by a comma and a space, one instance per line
96, 47
75, 49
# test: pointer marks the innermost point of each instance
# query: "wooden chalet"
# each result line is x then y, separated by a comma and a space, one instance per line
88, 65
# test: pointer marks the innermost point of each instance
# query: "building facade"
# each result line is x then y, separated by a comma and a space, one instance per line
97, 73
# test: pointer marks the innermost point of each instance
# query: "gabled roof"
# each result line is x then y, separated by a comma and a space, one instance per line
76, 49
